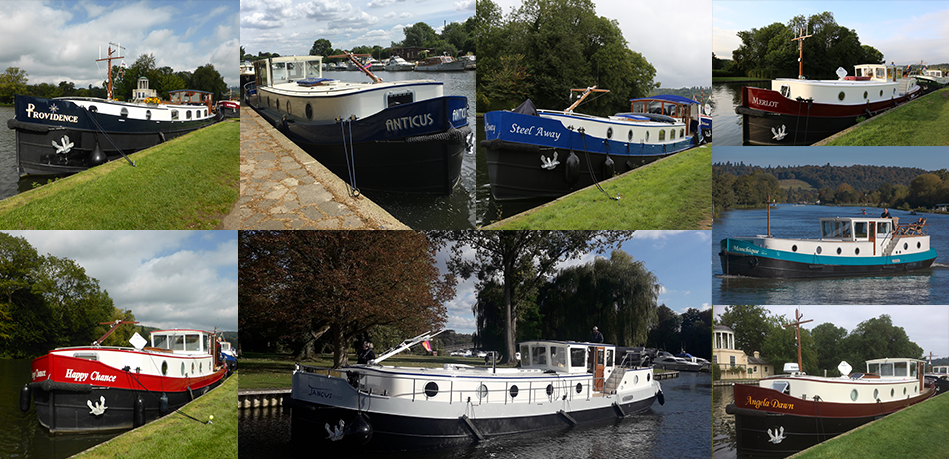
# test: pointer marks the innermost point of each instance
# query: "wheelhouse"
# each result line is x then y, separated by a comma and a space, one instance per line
182, 341
894, 367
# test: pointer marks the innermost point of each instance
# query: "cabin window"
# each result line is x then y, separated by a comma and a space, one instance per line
647, 136
781, 386
174, 114
853, 395
876, 394
905, 246
288, 107
539, 355
550, 390
205, 112
580, 388
124, 113
919, 245
599, 357
160, 341
912, 370
182, 368
681, 133
558, 356
662, 135
188, 114
87, 356
856, 251
192, 343
794, 248
839, 250
177, 342
609, 133
431, 389
786, 90
841, 96
164, 368
577, 357
886, 369
818, 249
192, 367
883, 227
672, 134
609, 357
630, 135
482, 391
200, 367
861, 229
148, 115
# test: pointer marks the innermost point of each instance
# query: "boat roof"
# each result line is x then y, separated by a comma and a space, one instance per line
862, 218
181, 330
667, 98
566, 343
892, 360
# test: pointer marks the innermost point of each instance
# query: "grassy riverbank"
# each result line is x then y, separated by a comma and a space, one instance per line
917, 431
176, 436
190, 182
673, 193
921, 122
274, 371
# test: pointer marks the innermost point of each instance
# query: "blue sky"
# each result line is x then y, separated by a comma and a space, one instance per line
673, 36
57, 41
168, 279
905, 32
679, 259
919, 322
928, 158
289, 27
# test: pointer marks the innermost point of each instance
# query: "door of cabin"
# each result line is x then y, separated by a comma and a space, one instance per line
597, 361
873, 236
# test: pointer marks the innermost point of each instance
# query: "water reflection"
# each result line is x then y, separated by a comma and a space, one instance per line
726, 123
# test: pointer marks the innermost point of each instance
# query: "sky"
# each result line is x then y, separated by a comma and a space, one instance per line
673, 36
925, 325
927, 158
56, 41
168, 279
289, 27
905, 32
679, 259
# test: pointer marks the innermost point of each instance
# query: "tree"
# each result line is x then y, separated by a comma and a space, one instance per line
697, 332
876, 338
665, 335
298, 286
519, 261
827, 341
420, 35
12, 81
205, 78
751, 324
321, 47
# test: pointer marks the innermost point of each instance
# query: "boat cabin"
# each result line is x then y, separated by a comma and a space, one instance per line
893, 367
680, 108
569, 357
875, 72
279, 70
941, 370
182, 341
933, 73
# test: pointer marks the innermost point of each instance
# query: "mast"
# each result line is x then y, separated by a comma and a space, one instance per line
797, 327
769, 215
586, 92
359, 66
113, 326
800, 47
110, 59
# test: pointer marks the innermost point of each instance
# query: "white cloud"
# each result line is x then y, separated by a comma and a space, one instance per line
465, 5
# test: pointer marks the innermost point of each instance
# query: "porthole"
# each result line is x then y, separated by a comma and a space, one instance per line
840, 96
550, 390
482, 391
580, 388
148, 115
182, 368
431, 389
647, 136
124, 113
309, 112
856, 251
635, 379
905, 246
662, 135
174, 114
838, 250
794, 248
918, 245
865, 94
164, 368
876, 394
904, 391
288, 107
192, 367
513, 391
881, 93
648, 375
93, 109
853, 395
892, 392
630, 135
609, 133
818, 249
188, 114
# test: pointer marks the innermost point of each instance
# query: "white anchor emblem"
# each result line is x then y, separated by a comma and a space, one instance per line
337, 432
549, 164
776, 437
65, 147
98, 408
780, 133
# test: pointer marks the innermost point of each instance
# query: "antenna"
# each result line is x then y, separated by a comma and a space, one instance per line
800, 60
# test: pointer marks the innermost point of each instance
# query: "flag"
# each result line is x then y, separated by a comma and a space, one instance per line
427, 345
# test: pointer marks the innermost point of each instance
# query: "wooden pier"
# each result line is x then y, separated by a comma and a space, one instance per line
666, 375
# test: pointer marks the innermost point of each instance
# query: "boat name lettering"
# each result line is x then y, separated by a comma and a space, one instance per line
460, 114
488, 127
319, 392
32, 113
769, 403
764, 102
39, 374
95, 376
515, 129
406, 122
750, 250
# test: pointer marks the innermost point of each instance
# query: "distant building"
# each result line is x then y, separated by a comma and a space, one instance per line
410, 53
142, 92
941, 207
731, 361
190, 96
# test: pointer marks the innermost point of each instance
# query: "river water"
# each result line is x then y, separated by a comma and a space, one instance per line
423, 212
681, 429
928, 286
21, 435
726, 123
723, 429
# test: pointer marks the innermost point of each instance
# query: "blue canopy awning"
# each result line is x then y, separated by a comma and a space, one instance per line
667, 98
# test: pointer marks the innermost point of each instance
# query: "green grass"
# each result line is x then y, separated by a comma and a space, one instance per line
919, 123
917, 431
274, 371
794, 183
673, 193
175, 436
190, 182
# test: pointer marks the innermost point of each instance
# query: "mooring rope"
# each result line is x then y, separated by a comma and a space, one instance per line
350, 154
586, 152
93, 118
177, 410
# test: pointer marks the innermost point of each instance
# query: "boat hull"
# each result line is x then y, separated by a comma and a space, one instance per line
769, 432
413, 159
518, 146
66, 139
741, 258
768, 118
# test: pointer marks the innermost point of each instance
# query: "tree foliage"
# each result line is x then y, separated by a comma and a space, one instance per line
297, 286
566, 46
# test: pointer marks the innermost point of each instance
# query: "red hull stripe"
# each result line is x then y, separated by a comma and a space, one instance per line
772, 401
83, 371
772, 101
